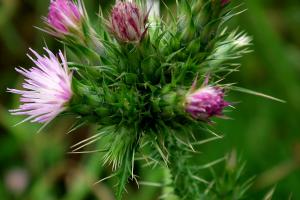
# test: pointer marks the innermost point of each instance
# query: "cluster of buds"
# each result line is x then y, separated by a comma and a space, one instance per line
47, 88
206, 102
127, 22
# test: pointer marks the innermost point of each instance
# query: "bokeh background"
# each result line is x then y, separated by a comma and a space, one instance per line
266, 134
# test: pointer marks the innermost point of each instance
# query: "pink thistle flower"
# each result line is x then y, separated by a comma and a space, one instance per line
225, 2
46, 89
206, 102
64, 16
127, 22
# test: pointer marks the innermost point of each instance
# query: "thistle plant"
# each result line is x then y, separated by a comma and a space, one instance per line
152, 85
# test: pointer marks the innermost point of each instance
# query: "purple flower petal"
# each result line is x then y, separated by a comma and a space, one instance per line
127, 22
64, 15
206, 102
224, 2
46, 90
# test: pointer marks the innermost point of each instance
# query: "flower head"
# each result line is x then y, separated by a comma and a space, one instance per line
46, 89
64, 16
225, 2
206, 102
128, 22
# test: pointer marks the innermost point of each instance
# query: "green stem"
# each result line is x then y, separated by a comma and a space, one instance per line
186, 187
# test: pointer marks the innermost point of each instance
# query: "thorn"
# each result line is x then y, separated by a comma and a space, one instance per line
106, 178
151, 184
200, 179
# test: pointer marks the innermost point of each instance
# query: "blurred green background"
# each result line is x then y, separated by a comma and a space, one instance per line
266, 134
